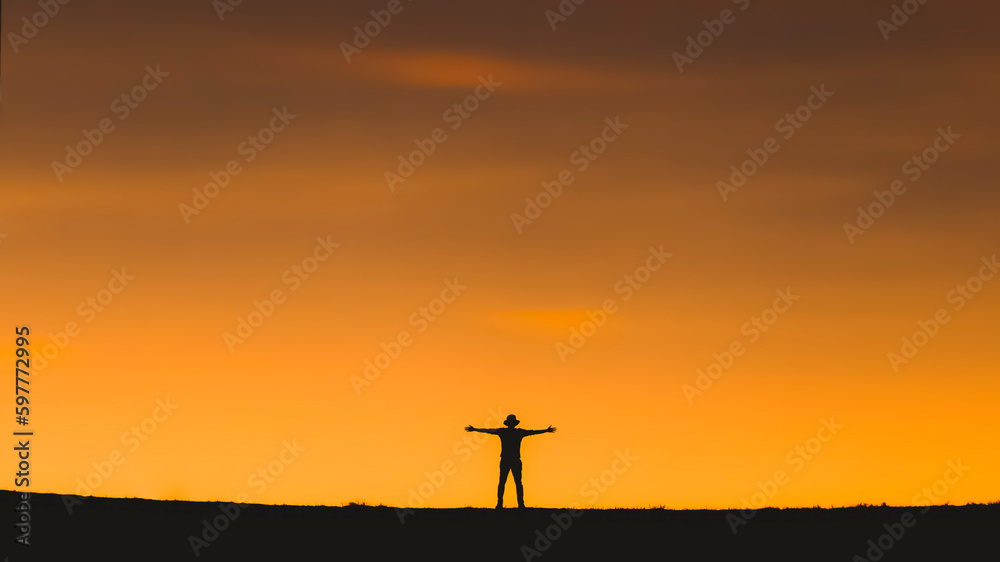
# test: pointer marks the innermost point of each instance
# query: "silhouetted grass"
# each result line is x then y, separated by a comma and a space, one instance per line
137, 529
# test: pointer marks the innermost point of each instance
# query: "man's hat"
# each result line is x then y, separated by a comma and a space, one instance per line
511, 421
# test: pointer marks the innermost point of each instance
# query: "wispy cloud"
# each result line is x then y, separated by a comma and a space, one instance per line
445, 69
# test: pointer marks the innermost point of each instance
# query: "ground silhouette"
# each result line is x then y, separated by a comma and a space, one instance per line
137, 529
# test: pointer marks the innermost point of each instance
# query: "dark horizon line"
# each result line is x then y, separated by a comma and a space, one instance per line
360, 504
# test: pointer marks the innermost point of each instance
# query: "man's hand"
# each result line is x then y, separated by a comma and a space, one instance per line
469, 428
551, 429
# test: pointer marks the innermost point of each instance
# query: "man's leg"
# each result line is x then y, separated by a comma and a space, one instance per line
503, 480
516, 470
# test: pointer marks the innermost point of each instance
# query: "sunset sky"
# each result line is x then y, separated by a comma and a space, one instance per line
137, 276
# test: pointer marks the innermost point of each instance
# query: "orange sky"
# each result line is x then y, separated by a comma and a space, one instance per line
307, 218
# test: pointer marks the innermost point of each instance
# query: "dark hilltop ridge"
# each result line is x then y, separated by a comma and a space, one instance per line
139, 529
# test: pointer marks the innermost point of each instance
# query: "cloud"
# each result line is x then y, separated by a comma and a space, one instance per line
449, 69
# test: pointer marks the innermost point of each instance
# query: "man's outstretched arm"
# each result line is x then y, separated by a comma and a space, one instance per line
481, 430
537, 431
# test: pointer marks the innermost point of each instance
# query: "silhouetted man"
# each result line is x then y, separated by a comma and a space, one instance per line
510, 453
